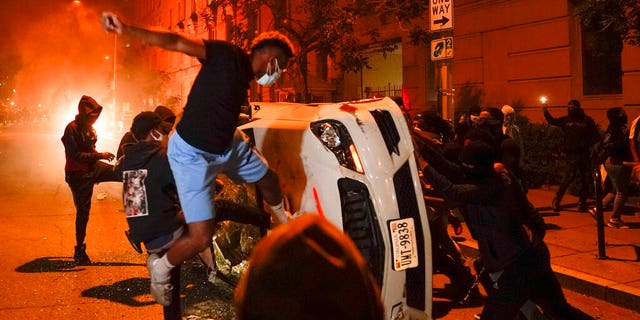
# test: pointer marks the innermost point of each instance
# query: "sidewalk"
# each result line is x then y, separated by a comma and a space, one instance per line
572, 239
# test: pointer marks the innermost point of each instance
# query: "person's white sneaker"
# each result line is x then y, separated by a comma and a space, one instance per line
160, 290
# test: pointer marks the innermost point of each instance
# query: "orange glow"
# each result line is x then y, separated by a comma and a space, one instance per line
102, 127
543, 100
356, 158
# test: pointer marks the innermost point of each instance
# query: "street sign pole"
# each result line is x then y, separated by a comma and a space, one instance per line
441, 19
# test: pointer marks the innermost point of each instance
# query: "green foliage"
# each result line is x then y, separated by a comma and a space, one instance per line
468, 96
409, 14
241, 13
542, 157
325, 27
620, 17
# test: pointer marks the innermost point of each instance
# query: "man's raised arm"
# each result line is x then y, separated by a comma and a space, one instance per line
159, 38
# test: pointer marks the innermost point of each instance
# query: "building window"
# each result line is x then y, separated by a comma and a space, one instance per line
601, 62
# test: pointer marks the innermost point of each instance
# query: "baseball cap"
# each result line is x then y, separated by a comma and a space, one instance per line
143, 123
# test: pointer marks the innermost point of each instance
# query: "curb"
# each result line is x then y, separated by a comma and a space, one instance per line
606, 290
599, 288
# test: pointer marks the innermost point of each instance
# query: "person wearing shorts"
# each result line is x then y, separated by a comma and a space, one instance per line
206, 141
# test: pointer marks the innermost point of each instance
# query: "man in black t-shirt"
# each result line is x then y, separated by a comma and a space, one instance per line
207, 141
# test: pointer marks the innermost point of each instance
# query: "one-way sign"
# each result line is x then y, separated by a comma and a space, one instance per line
441, 12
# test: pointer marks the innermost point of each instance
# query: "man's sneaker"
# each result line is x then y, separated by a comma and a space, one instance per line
80, 257
617, 223
160, 290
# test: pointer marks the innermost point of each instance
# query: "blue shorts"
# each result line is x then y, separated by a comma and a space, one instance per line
195, 172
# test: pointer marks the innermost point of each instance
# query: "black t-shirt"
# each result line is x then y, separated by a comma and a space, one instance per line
220, 88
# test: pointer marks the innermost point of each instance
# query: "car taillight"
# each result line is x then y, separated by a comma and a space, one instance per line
335, 137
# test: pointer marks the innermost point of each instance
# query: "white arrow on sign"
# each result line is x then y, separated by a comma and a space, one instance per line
441, 14
442, 49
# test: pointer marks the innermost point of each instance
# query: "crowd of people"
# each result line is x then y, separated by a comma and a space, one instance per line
481, 175
168, 170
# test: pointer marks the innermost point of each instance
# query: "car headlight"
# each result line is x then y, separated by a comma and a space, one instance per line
329, 135
335, 137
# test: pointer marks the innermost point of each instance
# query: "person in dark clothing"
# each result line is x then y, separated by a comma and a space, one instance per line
207, 141
509, 235
465, 123
149, 196
430, 128
618, 164
168, 120
83, 168
580, 136
509, 153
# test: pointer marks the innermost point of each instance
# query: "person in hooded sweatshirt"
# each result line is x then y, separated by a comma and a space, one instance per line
149, 195
83, 168
168, 120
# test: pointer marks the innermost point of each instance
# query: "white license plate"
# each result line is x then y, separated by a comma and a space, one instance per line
403, 244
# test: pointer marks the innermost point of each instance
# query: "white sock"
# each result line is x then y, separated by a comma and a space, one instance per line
162, 268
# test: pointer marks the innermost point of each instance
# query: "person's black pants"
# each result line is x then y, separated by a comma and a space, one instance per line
81, 186
530, 277
446, 255
578, 168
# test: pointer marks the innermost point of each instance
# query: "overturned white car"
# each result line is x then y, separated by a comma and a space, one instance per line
354, 163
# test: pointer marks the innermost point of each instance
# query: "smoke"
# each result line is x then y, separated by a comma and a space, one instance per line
61, 51
52, 52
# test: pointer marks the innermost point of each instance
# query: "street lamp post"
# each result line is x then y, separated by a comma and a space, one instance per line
115, 51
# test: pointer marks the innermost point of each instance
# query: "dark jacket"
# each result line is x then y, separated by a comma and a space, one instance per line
494, 212
580, 132
79, 140
127, 139
149, 195
616, 145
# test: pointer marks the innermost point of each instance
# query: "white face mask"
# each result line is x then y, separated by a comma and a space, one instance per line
156, 135
269, 77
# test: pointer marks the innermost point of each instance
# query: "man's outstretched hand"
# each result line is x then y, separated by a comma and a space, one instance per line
111, 22
107, 156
